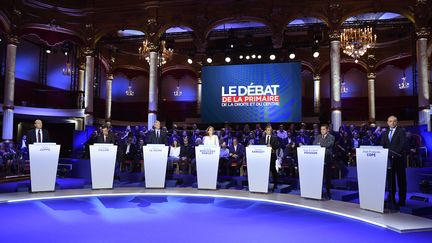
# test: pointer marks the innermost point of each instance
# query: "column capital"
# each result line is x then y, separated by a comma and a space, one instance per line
423, 32
110, 77
82, 66
371, 75
12, 39
335, 35
8, 107
316, 77
199, 81
88, 51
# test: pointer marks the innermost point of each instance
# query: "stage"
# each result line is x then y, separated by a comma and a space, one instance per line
288, 209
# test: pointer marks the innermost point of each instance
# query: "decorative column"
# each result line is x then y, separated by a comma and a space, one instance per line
199, 91
371, 96
317, 96
108, 99
9, 88
423, 78
89, 88
153, 88
81, 77
336, 113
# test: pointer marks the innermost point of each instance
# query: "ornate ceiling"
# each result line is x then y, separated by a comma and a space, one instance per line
201, 28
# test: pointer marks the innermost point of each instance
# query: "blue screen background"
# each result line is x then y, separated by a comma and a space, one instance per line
287, 75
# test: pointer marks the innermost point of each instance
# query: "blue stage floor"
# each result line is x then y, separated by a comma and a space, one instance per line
182, 219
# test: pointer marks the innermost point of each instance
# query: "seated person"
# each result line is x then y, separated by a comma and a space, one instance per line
187, 153
413, 155
173, 155
128, 153
236, 155
224, 158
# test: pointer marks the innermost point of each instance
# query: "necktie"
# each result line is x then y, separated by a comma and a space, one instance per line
104, 139
268, 139
39, 136
390, 135
157, 133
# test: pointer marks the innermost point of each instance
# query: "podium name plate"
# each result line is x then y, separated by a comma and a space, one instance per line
43, 166
258, 167
155, 165
311, 170
371, 173
102, 163
207, 163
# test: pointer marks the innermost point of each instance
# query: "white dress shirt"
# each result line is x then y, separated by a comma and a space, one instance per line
41, 133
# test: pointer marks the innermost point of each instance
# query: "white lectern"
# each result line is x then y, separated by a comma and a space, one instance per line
371, 175
311, 170
155, 165
44, 159
102, 163
207, 163
258, 167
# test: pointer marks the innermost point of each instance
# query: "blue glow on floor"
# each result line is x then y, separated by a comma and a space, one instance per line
181, 219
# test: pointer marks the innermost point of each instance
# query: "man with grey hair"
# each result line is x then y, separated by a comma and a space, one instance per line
394, 139
37, 135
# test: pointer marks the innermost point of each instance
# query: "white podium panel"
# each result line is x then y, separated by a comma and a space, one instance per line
155, 165
44, 159
102, 163
258, 167
371, 175
207, 163
311, 170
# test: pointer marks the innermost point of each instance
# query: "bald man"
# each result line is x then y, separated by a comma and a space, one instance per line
394, 139
37, 135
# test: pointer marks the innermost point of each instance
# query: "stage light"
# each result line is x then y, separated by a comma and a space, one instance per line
247, 57
189, 60
316, 54
232, 46
292, 55
253, 56
48, 50
272, 57
356, 61
241, 57
209, 60
227, 59
66, 53
259, 56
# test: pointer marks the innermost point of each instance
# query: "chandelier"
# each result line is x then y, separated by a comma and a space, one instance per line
404, 84
165, 53
178, 92
355, 42
129, 91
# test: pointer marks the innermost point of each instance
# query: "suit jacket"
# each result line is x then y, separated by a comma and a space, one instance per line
240, 151
397, 144
327, 143
162, 139
110, 138
274, 142
187, 151
31, 136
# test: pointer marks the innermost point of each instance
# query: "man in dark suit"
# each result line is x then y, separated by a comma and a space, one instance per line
326, 140
157, 135
128, 153
237, 152
394, 139
106, 136
37, 135
271, 141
